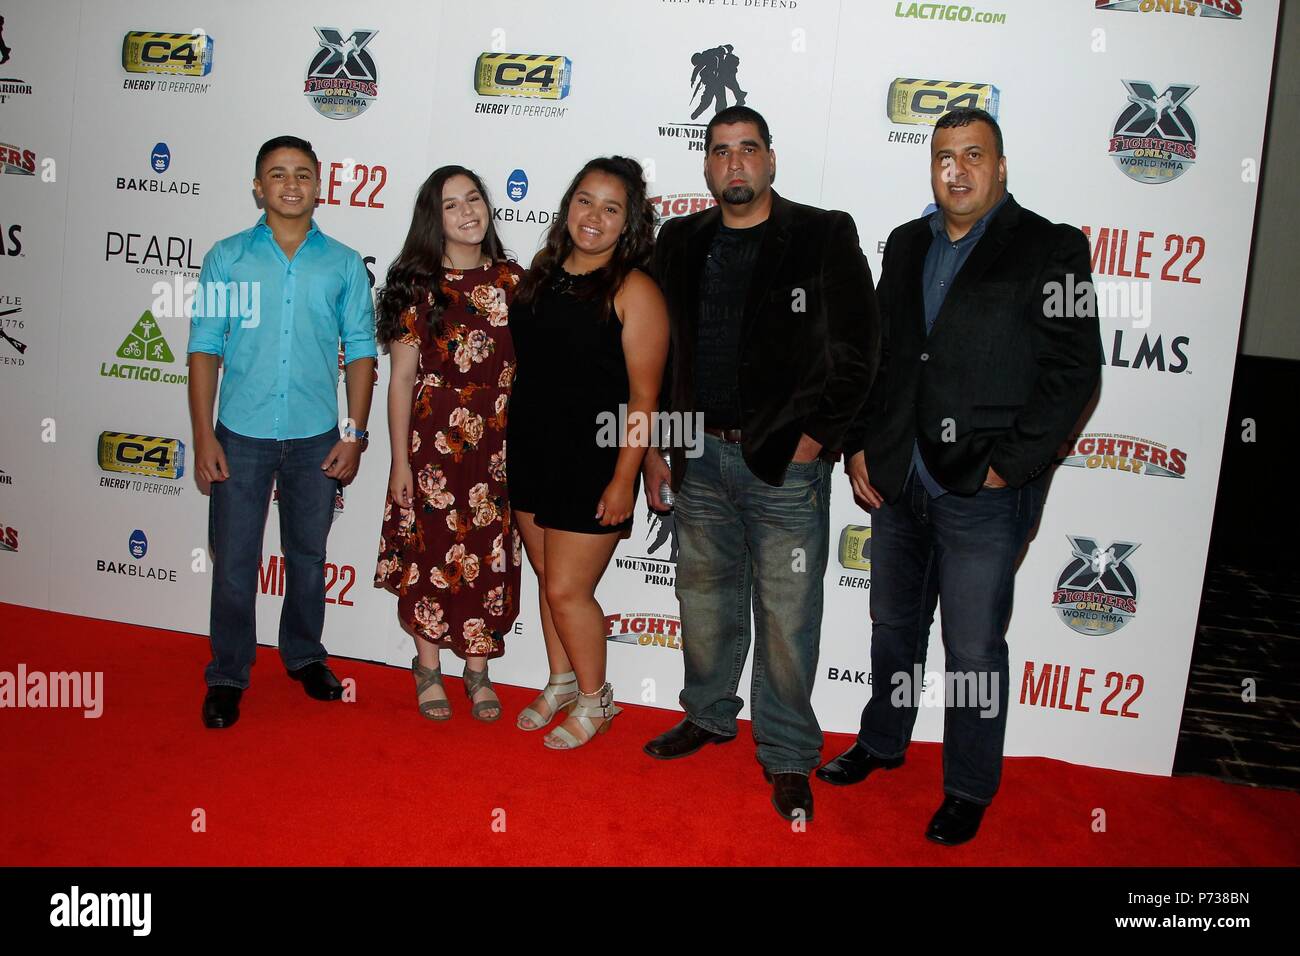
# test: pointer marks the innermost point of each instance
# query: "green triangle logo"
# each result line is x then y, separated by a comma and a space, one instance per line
145, 342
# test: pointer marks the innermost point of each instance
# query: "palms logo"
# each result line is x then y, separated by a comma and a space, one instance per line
1154, 138
1097, 591
342, 79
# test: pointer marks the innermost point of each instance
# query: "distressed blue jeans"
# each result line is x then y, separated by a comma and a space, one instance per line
959, 552
742, 539
237, 520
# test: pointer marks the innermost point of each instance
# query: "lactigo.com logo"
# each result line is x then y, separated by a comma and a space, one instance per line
947, 11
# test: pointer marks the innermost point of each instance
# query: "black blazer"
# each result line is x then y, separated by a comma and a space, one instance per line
800, 371
1001, 380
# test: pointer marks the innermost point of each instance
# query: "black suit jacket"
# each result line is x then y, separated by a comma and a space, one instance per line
810, 340
1003, 377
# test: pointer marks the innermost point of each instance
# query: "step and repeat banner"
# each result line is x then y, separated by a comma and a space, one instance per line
128, 133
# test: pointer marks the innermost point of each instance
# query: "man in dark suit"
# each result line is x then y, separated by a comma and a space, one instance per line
774, 344
990, 352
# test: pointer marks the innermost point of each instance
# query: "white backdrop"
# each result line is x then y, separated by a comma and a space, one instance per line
82, 252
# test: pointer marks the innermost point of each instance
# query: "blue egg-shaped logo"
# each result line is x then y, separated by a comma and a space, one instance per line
138, 544
161, 158
517, 185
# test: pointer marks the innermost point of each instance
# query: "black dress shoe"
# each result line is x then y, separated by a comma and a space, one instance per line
221, 707
853, 765
956, 821
791, 795
682, 741
318, 681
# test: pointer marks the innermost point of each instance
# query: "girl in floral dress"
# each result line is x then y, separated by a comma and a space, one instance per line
449, 549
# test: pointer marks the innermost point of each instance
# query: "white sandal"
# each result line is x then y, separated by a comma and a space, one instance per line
561, 738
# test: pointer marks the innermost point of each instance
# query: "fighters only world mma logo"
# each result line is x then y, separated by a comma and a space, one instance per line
342, 79
1154, 139
1097, 591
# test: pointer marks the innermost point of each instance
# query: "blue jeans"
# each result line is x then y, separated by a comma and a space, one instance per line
961, 552
740, 536
237, 519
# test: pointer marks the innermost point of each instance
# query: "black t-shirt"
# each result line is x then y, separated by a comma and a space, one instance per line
724, 283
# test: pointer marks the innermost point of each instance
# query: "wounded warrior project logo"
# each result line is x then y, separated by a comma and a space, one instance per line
1097, 592
10, 86
342, 79
1154, 140
659, 565
1137, 456
1217, 9
714, 75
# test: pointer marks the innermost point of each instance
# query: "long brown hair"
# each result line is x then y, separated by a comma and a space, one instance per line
635, 242
416, 270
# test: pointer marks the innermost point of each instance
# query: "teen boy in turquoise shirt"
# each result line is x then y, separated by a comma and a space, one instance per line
272, 305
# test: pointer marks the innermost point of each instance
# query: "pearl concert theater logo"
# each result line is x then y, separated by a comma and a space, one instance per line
645, 628
1209, 9
1097, 451
342, 79
1154, 139
1097, 591
714, 76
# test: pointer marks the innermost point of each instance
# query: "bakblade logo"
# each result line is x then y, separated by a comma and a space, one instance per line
1154, 138
1210, 9
342, 79
517, 185
160, 158
1097, 591
1136, 456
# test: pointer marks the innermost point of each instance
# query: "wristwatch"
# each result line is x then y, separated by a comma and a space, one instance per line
358, 434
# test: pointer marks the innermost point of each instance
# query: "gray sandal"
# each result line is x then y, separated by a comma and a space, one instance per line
426, 677
474, 682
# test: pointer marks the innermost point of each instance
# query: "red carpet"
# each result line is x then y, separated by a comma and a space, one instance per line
302, 782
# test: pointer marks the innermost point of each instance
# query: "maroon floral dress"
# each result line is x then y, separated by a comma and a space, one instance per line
453, 559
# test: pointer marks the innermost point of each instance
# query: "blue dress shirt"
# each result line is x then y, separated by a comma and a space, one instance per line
280, 360
942, 263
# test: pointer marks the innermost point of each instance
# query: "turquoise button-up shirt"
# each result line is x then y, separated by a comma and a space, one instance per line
277, 324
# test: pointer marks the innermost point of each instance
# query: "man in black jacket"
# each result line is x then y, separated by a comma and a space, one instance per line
991, 351
774, 343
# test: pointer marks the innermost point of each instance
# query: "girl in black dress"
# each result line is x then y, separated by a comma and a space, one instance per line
590, 329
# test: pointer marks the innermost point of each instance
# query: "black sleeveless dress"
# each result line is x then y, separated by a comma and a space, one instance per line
570, 384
